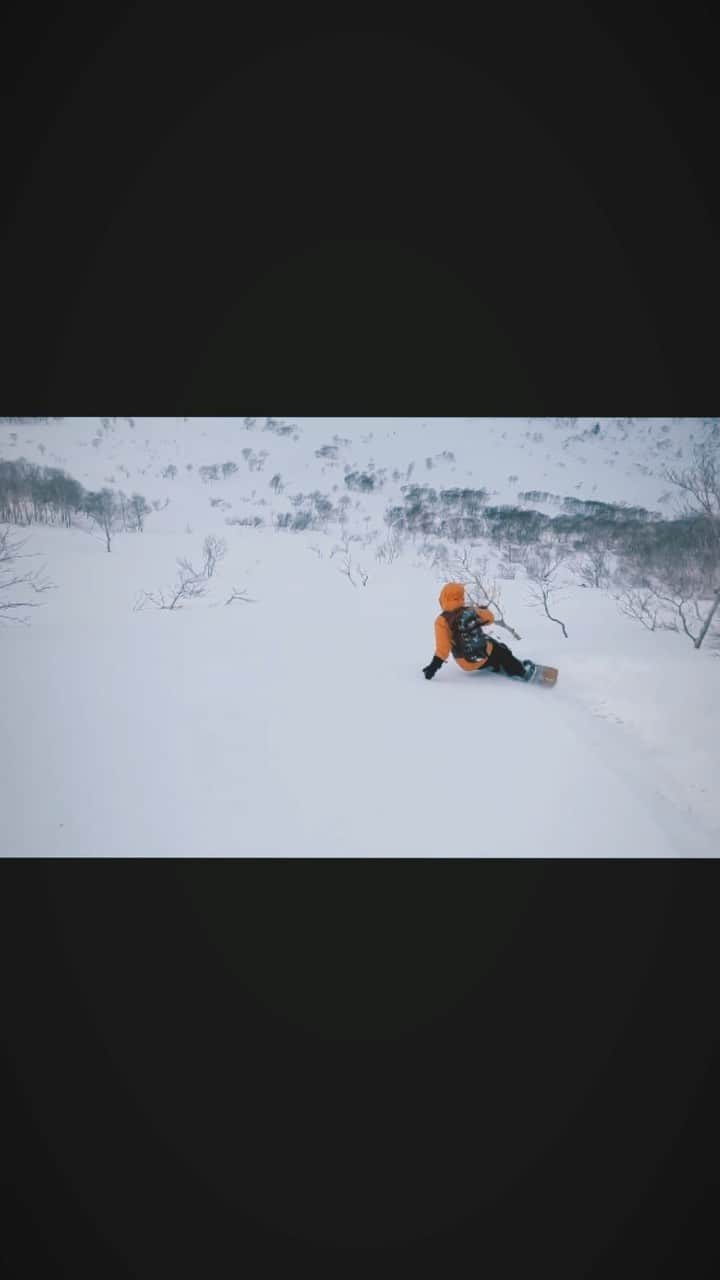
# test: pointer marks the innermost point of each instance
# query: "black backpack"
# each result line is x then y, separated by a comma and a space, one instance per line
467, 639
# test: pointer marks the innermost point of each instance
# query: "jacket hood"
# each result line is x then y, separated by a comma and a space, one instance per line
452, 596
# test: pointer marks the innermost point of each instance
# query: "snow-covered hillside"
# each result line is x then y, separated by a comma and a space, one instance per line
294, 719
611, 460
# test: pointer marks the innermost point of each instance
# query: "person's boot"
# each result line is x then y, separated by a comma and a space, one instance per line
530, 668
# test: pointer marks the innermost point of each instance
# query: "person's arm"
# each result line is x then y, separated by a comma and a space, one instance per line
442, 648
486, 616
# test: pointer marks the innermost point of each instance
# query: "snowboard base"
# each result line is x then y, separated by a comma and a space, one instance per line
544, 675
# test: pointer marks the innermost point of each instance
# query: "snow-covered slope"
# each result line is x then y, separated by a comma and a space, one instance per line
298, 722
611, 460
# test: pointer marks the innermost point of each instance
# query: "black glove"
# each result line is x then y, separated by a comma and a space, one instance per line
432, 667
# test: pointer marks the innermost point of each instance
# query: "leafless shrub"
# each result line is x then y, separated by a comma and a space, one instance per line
190, 584
20, 584
350, 569
246, 522
184, 590
389, 549
346, 568
239, 595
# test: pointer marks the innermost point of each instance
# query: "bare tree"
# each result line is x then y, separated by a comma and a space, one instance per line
125, 513
390, 548
542, 564
139, 509
511, 552
105, 510
641, 606
593, 568
708, 619
214, 550
672, 597
700, 483
481, 588
685, 606
20, 584
679, 588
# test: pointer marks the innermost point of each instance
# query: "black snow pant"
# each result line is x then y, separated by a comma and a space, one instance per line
502, 659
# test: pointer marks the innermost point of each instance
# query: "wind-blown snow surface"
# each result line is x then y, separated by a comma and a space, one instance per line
299, 723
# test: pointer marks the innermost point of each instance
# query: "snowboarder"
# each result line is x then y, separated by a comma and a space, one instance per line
459, 630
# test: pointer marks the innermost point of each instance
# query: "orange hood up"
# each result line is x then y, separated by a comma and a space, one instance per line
452, 596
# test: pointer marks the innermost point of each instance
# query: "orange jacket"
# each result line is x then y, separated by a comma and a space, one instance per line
452, 597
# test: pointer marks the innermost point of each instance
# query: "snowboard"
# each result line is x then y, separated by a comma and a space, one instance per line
543, 675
